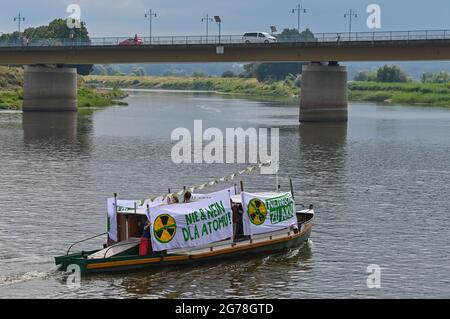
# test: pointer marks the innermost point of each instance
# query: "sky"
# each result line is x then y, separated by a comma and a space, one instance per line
183, 17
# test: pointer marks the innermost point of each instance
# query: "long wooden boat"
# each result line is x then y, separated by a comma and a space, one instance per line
125, 255
243, 247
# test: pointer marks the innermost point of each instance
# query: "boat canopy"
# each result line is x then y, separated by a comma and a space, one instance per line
208, 218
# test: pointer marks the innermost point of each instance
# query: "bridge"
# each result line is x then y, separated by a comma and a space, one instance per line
357, 46
324, 85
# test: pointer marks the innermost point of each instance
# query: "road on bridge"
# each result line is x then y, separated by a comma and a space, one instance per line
357, 46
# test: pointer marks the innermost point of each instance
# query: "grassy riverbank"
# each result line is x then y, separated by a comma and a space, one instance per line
11, 83
400, 93
222, 85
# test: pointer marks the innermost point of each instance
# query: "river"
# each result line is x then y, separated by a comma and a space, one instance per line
379, 185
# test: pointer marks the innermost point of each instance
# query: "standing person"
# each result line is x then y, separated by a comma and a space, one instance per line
145, 247
187, 197
237, 220
146, 233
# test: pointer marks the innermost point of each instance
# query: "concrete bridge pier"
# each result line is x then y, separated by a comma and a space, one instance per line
49, 89
324, 93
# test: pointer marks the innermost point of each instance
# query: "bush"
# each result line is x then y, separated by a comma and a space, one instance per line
228, 74
198, 75
365, 75
391, 74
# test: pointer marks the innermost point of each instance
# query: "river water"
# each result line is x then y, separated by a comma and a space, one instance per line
379, 185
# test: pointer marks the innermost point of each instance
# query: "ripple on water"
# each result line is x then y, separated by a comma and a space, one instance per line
379, 186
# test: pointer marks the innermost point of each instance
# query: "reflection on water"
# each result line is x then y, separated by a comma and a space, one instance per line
249, 277
323, 145
330, 135
48, 131
42, 127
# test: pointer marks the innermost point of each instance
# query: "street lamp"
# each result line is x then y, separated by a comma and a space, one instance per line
207, 19
299, 9
150, 15
273, 29
19, 18
350, 14
219, 21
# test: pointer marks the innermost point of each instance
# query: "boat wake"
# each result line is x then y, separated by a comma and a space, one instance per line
25, 277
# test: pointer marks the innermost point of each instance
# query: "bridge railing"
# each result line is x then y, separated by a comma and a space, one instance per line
338, 37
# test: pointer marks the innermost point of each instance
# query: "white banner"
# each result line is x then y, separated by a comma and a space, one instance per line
263, 214
224, 192
192, 224
112, 219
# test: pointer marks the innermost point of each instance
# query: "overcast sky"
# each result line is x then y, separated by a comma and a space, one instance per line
182, 17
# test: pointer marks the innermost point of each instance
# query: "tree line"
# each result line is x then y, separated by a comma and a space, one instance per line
56, 30
393, 73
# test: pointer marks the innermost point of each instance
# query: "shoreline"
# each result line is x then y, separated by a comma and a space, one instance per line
266, 98
11, 92
411, 93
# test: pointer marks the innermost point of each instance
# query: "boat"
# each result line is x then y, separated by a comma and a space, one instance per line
240, 225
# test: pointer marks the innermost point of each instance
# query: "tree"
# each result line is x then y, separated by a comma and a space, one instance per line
441, 77
279, 71
198, 75
249, 70
105, 69
427, 77
228, 74
294, 35
365, 75
82, 69
391, 74
56, 31
138, 71
276, 71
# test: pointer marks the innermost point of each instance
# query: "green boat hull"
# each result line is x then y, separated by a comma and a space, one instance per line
132, 261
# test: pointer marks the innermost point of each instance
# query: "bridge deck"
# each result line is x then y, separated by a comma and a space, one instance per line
349, 48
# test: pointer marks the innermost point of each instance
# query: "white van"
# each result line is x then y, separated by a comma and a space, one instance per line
258, 37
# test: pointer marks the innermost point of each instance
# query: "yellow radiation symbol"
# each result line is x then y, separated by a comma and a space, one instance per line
164, 228
257, 211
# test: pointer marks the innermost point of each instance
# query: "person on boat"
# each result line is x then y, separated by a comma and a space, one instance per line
146, 233
173, 199
237, 219
187, 197
136, 39
145, 247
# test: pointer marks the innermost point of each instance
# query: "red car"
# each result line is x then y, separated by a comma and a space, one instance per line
132, 41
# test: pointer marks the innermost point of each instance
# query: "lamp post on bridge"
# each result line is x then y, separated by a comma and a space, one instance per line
150, 15
299, 9
273, 29
207, 19
219, 21
350, 14
19, 18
